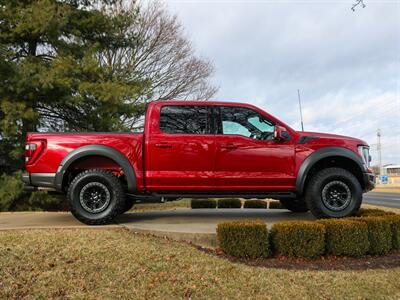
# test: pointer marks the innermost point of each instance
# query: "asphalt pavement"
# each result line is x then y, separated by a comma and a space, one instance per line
382, 199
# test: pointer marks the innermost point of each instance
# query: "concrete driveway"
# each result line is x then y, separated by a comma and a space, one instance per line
179, 220
203, 220
32, 220
196, 226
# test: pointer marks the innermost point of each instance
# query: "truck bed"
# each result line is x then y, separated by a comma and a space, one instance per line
57, 145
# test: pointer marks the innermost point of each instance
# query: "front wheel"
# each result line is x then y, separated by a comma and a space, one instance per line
333, 193
96, 197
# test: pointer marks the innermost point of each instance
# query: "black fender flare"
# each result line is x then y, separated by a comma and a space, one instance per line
100, 150
322, 153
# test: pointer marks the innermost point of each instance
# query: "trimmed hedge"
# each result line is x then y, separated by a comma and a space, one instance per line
355, 236
275, 204
203, 203
379, 234
395, 226
229, 203
345, 237
367, 212
255, 204
248, 238
298, 238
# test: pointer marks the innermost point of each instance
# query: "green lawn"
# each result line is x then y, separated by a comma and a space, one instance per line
97, 263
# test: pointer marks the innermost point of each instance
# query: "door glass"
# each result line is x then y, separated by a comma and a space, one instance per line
246, 122
184, 119
229, 127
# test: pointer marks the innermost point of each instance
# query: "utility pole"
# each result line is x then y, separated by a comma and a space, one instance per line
379, 150
301, 113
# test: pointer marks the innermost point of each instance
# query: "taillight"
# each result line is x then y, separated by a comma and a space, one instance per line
32, 150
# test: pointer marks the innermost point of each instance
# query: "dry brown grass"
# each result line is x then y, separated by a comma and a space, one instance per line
93, 264
171, 205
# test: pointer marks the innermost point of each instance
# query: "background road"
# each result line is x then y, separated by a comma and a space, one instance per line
382, 199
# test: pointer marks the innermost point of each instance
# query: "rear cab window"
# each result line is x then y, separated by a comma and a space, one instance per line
184, 119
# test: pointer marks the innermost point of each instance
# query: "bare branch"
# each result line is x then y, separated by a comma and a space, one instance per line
358, 2
160, 54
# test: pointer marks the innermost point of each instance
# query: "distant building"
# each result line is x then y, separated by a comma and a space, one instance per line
391, 170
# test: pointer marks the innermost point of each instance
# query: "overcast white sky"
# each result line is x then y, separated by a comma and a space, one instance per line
346, 64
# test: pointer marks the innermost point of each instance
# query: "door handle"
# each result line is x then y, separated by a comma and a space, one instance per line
228, 146
163, 145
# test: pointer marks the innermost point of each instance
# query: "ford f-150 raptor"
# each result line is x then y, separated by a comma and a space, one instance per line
201, 149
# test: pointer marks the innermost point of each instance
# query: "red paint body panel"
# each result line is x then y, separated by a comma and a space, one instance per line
188, 162
58, 145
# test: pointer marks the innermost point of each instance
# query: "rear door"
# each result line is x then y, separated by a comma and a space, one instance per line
180, 149
247, 156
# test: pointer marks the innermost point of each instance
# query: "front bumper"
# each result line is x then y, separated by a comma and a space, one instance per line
369, 181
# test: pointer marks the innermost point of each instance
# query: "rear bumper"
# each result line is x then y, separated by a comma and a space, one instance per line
26, 178
39, 180
369, 181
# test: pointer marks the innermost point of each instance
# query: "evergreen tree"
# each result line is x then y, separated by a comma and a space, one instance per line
50, 75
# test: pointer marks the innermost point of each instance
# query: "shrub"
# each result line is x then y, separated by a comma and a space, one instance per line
11, 189
275, 204
395, 226
255, 204
379, 234
298, 238
366, 212
41, 200
345, 237
203, 203
248, 238
229, 203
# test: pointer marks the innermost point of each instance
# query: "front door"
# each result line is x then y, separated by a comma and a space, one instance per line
180, 150
247, 156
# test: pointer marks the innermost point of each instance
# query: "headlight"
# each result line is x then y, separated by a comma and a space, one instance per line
364, 152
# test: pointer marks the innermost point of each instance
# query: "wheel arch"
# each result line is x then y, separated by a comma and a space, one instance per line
95, 151
329, 157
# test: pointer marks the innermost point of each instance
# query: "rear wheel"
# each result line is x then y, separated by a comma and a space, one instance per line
295, 205
96, 197
333, 193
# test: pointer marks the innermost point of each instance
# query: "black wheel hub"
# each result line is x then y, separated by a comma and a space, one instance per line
336, 195
94, 197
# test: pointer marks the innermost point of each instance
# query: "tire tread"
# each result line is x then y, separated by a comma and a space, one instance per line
317, 179
118, 189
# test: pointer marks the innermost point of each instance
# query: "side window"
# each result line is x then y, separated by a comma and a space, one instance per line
184, 119
230, 127
246, 122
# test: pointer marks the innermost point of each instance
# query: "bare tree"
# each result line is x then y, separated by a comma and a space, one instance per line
161, 55
358, 2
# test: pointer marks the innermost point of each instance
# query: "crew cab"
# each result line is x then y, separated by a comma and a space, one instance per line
201, 149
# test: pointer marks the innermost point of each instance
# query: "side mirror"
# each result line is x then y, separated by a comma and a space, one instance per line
281, 134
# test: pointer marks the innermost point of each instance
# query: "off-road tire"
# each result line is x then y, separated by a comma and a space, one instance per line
295, 205
316, 190
103, 178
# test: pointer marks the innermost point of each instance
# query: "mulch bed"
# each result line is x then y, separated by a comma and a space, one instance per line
391, 260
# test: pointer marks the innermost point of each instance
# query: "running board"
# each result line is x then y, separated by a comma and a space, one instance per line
277, 195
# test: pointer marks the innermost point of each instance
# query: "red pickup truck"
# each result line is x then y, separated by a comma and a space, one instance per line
201, 149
